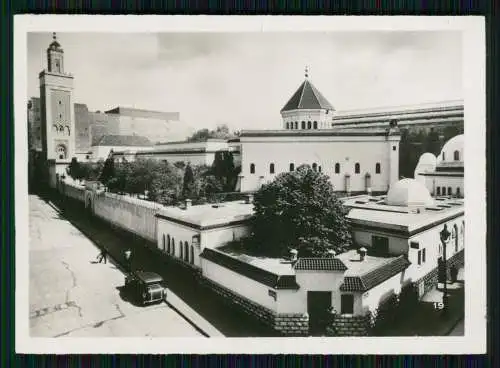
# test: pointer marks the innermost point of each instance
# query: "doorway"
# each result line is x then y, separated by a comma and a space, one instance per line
318, 307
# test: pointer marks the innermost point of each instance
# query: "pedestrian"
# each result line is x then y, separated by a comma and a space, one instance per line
128, 258
102, 256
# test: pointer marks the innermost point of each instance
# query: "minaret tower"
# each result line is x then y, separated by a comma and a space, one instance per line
57, 111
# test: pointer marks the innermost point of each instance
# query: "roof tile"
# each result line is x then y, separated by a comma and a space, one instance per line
307, 97
320, 264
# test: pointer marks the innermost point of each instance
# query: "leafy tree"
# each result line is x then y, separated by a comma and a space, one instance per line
299, 209
188, 185
432, 142
74, 170
221, 132
108, 171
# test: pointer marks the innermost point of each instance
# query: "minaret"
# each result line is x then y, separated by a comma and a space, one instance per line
57, 111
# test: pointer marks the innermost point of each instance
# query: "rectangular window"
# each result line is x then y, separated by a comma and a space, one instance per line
347, 304
423, 255
419, 257
380, 245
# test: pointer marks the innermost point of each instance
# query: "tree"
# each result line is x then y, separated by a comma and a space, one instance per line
223, 169
300, 210
74, 170
221, 132
188, 185
108, 171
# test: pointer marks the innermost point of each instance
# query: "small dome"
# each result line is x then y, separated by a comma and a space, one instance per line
453, 150
408, 192
427, 159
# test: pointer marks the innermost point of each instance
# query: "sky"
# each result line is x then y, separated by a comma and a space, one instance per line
244, 79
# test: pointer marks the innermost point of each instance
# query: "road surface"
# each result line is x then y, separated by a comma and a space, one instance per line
230, 320
72, 295
458, 330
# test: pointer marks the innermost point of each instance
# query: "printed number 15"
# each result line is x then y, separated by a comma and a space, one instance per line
438, 305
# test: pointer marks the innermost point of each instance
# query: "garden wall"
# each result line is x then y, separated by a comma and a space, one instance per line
74, 191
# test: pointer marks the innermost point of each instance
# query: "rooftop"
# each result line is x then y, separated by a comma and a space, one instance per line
371, 211
307, 97
366, 274
209, 215
340, 132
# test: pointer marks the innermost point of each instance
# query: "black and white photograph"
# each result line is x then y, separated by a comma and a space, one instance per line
301, 183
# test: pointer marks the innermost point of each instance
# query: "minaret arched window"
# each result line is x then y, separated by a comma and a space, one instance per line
296, 125
303, 124
456, 156
377, 168
288, 125
292, 166
315, 125
252, 168
438, 191
357, 168
337, 168
308, 125
271, 168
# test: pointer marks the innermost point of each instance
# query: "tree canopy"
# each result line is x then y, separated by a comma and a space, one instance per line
221, 132
300, 210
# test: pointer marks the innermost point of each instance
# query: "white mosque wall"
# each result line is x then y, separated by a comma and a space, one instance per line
325, 153
453, 183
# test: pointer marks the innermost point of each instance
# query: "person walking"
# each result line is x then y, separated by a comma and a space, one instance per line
103, 256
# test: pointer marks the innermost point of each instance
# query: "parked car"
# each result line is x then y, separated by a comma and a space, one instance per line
145, 287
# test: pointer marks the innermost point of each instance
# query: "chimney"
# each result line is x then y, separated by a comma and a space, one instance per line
331, 253
187, 203
362, 253
249, 198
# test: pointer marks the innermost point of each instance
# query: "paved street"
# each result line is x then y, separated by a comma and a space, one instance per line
226, 318
458, 330
72, 295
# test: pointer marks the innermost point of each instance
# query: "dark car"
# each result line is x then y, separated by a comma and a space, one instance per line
145, 287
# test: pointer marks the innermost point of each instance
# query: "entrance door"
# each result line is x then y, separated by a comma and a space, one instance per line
318, 306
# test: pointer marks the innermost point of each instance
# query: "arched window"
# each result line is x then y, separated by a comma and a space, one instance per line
443, 190
181, 250
303, 124
443, 156
458, 192
308, 125
168, 244
357, 168
337, 168
314, 166
438, 191
164, 243
186, 251
271, 168
67, 130
173, 246
61, 151
315, 125
192, 255
296, 125
292, 166
456, 156
288, 125
449, 191
377, 168
252, 168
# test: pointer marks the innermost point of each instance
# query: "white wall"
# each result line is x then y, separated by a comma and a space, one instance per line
397, 245
432, 182
325, 153
370, 300
319, 281
208, 238
248, 288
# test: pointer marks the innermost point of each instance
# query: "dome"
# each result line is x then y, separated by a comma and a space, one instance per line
427, 159
408, 192
453, 150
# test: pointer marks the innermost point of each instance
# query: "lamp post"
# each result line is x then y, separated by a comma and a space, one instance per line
445, 236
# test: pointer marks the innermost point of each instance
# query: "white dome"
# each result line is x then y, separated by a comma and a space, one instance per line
455, 144
427, 159
408, 192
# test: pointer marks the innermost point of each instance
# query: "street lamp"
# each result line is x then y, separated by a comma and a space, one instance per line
445, 237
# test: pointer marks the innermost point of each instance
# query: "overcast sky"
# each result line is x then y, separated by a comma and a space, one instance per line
244, 80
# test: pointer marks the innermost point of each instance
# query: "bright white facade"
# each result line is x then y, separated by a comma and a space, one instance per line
183, 233
409, 224
444, 175
354, 160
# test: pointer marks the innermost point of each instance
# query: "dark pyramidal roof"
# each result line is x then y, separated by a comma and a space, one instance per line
307, 97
